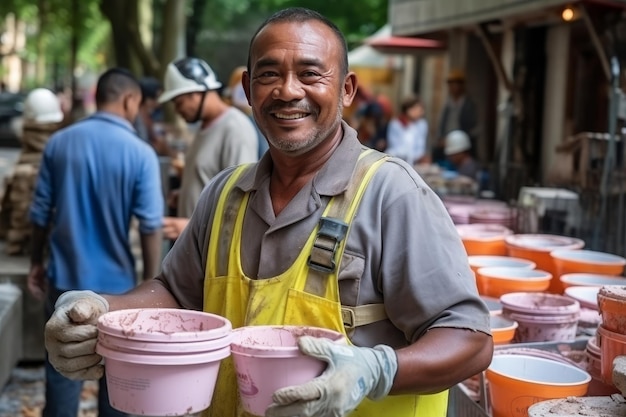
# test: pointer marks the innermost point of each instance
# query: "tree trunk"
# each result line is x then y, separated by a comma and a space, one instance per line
173, 39
194, 25
40, 66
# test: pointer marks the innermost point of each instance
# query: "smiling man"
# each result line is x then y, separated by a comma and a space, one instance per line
323, 232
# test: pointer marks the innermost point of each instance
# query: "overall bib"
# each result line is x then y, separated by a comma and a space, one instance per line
299, 296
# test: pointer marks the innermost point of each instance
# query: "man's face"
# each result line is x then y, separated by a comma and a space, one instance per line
456, 88
187, 105
296, 85
415, 112
132, 101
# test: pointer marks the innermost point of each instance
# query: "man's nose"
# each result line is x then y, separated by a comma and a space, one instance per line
289, 89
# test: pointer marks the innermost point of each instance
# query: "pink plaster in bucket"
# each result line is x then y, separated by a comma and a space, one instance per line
161, 385
541, 317
267, 358
164, 325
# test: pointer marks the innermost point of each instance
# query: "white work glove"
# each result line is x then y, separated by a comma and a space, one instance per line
71, 335
352, 374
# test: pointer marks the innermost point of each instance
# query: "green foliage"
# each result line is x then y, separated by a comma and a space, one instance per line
60, 20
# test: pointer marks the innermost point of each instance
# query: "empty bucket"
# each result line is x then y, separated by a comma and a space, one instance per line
541, 317
567, 261
496, 281
483, 239
483, 261
537, 248
583, 279
267, 358
518, 381
502, 329
162, 361
587, 297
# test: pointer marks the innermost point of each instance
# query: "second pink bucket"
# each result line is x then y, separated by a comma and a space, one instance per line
267, 358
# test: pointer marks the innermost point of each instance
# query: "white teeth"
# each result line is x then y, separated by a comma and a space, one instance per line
290, 116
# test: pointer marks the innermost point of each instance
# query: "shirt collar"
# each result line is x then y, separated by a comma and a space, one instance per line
331, 180
113, 118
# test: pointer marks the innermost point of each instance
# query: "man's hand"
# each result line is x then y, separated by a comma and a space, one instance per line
174, 226
37, 282
352, 374
71, 335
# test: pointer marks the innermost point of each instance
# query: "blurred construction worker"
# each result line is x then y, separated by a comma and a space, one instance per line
226, 136
237, 97
458, 151
42, 117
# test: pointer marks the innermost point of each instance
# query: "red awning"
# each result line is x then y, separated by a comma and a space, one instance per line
403, 44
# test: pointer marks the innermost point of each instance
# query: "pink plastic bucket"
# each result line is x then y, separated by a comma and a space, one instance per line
542, 317
162, 361
161, 385
267, 358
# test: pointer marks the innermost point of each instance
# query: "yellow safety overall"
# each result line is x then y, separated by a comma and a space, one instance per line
298, 296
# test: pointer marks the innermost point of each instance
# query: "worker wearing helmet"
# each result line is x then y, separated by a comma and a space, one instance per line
458, 148
41, 118
226, 135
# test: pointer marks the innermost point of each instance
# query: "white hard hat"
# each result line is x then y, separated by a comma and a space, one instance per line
457, 141
188, 75
42, 106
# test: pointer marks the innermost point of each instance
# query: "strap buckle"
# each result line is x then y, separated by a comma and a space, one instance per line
330, 234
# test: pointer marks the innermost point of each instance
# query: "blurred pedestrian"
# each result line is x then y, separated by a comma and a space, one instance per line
458, 113
226, 136
96, 176
407, 134
144, 122
41, 118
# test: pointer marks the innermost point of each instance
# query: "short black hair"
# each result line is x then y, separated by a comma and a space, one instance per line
301, 15
150, 88
409, 102
113, 83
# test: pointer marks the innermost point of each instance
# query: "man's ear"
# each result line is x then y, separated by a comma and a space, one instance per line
350, 86
245, 83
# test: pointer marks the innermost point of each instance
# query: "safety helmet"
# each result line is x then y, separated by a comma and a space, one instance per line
42, 106
457, 141
188, 75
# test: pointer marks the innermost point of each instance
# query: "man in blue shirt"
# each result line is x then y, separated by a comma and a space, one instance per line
95, 176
